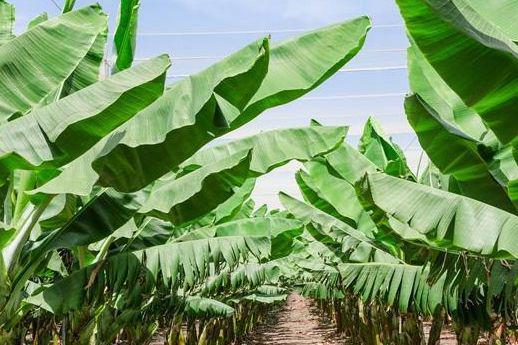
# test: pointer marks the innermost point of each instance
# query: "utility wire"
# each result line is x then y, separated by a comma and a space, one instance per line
208, 57
368, 95
245, 32
56, 4
410, 143
344, 70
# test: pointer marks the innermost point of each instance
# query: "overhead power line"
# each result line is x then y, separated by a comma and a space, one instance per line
343, 70
368, 95
218, 57
56, 4
246, 32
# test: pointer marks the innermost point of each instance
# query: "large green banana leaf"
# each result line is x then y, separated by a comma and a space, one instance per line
479, 64
349, 164
59, 132
89, 69
446, 127
6, 22
171, 264
379, 149
441, 219
205, 307
249, 275
299, 65
209, 103
457, 154
184, 198
400, 285
280, 230
274, 148
96, 220
258, 226
338, 194
501, 15
230, 208
36, 63
126, 34
166, 133
354, 245
300, 144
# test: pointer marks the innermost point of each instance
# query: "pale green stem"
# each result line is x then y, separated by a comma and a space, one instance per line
27, 181
104, 249
81, 256
419, 165
12, 251
137, 234
8, 202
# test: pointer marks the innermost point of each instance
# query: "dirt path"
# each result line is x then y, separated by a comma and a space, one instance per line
295, 324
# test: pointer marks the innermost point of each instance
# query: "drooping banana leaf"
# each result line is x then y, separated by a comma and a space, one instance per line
229, 209
501, 15
443, 220
400, 285
36, 63
457, 154
200, 307
59, 211
274, 148
248, 275
349, 164
280, 230
335, 196
428, 84
209, 103
170, 130
57, 133
446, 127
257, 226
301, 144
126, 34
172, 264
352, 244
98, 219
6, 22
184, 198
479, 64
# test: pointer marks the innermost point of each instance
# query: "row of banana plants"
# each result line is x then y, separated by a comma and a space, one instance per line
119, 223
390, 248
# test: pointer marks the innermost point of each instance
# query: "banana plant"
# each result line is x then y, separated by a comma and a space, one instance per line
404, 244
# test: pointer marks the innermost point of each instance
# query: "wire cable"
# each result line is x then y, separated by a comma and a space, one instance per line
208, 57
344, 70
56, 4
368, 95
245, 32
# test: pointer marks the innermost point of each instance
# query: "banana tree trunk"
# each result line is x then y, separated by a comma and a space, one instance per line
435, 331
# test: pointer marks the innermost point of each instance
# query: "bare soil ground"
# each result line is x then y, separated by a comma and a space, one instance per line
299, 323
295, 324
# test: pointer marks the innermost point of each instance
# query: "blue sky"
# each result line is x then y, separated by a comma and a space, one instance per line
377, 93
